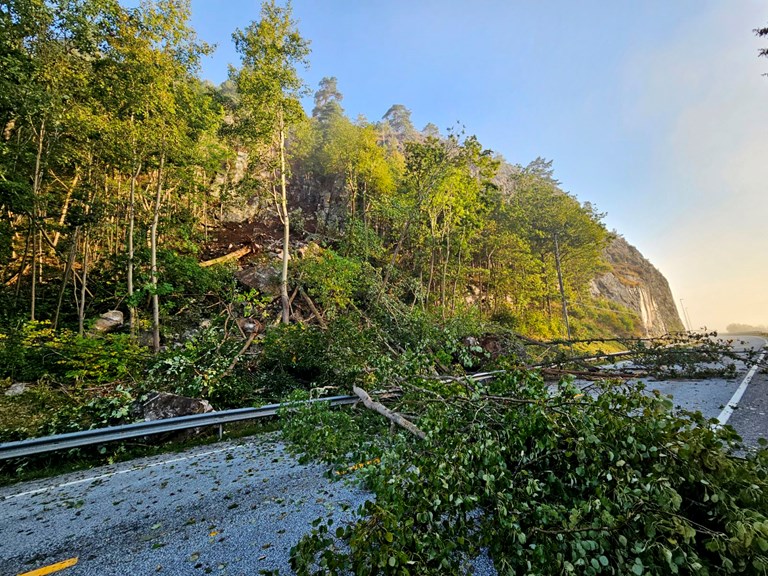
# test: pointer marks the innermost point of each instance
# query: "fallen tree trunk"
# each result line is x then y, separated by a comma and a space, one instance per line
593, 375
387, 413
227, 257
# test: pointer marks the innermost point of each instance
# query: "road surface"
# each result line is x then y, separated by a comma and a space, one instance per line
234, 509
713, 396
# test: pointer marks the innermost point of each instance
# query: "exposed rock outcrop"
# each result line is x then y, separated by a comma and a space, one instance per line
635, 283
163, 405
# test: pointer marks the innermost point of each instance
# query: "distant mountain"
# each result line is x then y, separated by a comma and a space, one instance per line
635, 283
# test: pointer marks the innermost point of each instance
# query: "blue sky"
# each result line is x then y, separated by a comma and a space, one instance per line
655, 111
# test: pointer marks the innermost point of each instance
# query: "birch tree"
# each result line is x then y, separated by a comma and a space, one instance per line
269, 86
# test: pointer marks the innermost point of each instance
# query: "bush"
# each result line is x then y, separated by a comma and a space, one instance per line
199, 368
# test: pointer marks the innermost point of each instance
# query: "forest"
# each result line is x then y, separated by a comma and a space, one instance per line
119, 167
379, 255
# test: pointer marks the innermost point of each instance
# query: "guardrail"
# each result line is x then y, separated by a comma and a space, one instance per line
45, 444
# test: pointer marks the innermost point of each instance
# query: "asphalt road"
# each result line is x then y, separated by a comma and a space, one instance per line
714, 395
235, 508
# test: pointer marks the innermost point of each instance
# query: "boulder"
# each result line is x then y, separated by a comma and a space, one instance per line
164, 405
16, 389
265, 278
109, 321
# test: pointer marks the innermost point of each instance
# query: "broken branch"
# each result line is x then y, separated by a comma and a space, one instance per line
368, 402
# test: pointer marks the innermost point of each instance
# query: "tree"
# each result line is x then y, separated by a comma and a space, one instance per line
327, 100
561, 231
270, 87
397, 128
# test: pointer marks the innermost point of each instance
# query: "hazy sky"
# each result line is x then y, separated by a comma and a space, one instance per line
655, 111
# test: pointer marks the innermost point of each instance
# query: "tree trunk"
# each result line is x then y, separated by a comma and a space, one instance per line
36, 184
286, 228
562, 290
387, 413
65, 208
83, 288
34, 277
65, 277
456, 278
133, 319
445, 272
153, 257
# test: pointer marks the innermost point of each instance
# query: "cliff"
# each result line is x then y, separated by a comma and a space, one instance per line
635, 283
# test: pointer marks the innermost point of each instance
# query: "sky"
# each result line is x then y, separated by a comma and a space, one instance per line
654, 111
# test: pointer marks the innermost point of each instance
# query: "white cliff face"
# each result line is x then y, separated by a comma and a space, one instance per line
636, 284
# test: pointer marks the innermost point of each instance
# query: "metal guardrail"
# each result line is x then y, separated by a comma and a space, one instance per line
45, 444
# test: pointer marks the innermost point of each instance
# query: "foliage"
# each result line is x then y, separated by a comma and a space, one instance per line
688, 355
336, 282
34, 351
549, 482
318, 431
199, 367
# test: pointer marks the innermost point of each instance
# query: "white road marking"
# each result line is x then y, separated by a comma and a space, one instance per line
126, 471
734, 401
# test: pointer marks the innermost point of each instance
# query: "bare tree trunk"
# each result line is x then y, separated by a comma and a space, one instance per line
387, 413
431, 273
22, 267
445, 272
153, 257
133, 318
34, 277
65, 208
36, 184
83, 288
456, 279
65, 277
562, 290
286, 228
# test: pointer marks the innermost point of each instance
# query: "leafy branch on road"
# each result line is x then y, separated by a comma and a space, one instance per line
547, 482
681, 355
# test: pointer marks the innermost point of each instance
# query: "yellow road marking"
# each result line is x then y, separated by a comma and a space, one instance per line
52, 568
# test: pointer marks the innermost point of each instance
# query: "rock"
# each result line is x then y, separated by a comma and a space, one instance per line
164, 405
16, 388
250, 325
265, 278
635, 283
109, 321
309, 250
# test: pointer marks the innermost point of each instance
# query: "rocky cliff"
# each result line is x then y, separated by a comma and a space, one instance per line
635, 283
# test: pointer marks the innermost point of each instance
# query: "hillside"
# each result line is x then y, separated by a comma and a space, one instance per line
160, 233
637, 285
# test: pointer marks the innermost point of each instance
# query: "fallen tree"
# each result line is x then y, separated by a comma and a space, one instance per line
546, 481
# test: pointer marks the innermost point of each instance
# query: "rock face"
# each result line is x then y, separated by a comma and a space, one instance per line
635, 283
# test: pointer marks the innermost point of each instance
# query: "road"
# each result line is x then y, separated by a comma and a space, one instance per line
713, 396
232, 509
235, 509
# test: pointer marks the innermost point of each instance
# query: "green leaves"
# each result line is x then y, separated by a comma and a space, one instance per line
522, 471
